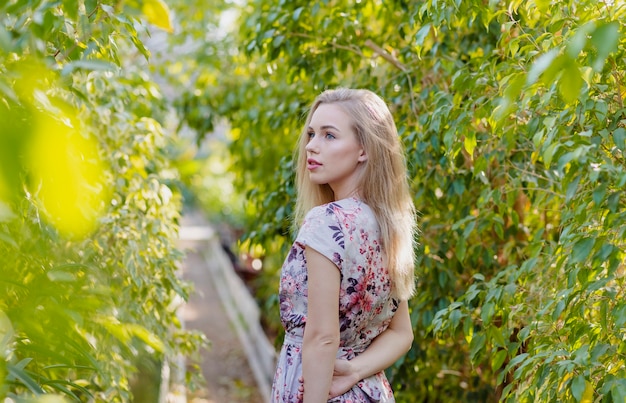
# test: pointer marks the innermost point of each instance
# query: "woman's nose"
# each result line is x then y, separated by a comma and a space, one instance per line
312, 144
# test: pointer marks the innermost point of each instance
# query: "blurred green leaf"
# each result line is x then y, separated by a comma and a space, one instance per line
90, 65
17, 372
542, 63
570, 83
605, 39
578, 41
157, 13
469, 143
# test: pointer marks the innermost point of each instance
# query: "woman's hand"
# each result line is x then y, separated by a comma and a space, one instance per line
386, 348
344, 378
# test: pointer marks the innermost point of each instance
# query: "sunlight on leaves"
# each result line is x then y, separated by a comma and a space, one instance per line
4, 192
540, 65
48, 399
6, 213
157, 13
570, 83
605, 40
126, 331
67, 173
6, 332
470, 144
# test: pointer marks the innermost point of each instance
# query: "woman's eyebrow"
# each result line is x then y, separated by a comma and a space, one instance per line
324, 127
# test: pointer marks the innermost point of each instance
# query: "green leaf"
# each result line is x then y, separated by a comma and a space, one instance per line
296, 13
477, 346
528, 265
146, 336
460, 249
487, 311
613, 201
497, 336
556, 67
570, 83
605, 39
140, 46
470, 143
479, 277
619, 315
618, 391
549, 153
581, 250
89, 65
619, 137
157, 13
59, 385
442, 278
540, 65
6, 44
71, 8
514, 86
599, 350
4, 237
269, 33
458, 186
599, 193
17, 372
577, 42
601, 109
455, 318
421, 34
278, 40
6, 331
469, 228
61, 276
578, 387
606, 250
560, 306
572, 187
498, 360
8, 91
523, 334
516, 360
498, 226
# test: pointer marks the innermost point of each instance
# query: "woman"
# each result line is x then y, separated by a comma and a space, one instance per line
345, 283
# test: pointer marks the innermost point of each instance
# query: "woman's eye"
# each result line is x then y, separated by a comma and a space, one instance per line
310, 134
330, 136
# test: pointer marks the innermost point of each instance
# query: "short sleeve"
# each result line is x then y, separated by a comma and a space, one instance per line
322, 231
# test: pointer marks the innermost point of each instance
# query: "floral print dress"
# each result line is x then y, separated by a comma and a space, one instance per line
347, 233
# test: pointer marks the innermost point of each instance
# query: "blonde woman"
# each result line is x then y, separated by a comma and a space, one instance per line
345, 283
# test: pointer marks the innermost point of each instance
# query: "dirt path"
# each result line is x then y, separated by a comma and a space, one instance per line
229, 378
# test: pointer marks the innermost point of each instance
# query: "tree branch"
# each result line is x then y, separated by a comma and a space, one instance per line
396, 63
385, 55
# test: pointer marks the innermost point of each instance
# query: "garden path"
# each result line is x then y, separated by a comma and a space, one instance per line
225, 365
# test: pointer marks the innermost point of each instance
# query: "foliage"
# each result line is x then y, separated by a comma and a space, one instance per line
89, 205
513, 119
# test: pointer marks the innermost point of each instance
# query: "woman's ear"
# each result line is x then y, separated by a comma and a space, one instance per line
362, 156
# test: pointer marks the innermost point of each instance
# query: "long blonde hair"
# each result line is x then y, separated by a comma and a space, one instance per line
383, 184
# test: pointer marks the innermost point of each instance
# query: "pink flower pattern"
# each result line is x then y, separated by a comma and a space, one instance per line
347, 233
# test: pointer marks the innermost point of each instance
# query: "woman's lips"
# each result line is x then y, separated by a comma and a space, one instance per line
312, 164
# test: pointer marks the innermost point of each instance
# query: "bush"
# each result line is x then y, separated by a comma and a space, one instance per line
513, 119
89, 204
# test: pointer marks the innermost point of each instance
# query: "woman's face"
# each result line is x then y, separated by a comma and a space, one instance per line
334, 154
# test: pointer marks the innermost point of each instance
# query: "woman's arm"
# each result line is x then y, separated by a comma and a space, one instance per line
385, 350
321, 332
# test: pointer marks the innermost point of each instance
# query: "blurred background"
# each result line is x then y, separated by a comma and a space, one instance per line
118, 119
